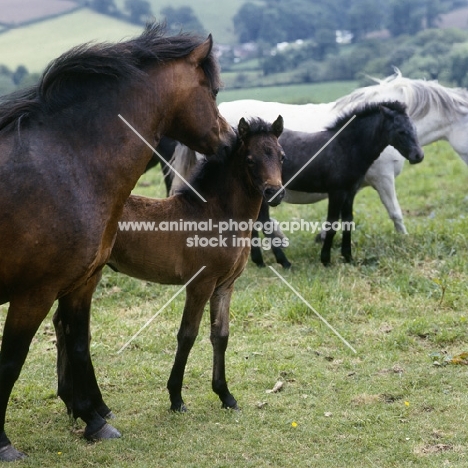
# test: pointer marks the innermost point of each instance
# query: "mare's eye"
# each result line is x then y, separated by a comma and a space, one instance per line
215, 92
250, 160
283, 157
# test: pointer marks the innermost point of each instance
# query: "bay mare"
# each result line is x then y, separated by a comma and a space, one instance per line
340, 167
233, 188
438, 112
67, 165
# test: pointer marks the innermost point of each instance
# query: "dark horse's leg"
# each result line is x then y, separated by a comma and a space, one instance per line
77, 385
347, 217
335, 203
256, 251
197, 296
219, 312
25, 314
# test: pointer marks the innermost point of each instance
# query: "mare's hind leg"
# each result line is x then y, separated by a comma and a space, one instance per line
219, 312
347, 219
23, 319
197, 296
335, 202
64, 373
77, 382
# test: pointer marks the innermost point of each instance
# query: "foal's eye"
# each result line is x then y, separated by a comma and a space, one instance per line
215, 92
283, 157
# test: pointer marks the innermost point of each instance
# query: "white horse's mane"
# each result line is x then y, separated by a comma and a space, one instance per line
419, 95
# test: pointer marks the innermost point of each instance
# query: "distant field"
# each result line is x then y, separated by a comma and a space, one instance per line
36, 45
295, 94
32, 9
215, 15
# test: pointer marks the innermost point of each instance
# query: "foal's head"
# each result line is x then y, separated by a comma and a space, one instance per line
401, 130
263, 156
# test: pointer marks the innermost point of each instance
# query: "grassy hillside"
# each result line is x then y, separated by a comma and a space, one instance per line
35, 45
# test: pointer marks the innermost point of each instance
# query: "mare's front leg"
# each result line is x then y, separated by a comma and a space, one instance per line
197, 296
219, 314
77, 384
346, 223
24, 316
335, 203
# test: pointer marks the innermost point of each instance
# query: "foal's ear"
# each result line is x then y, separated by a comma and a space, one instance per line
243, 128
199, 54
386, 111
277, 126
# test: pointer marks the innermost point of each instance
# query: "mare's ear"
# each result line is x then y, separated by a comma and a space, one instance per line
386, 111
277, 126
243, 128
199, 54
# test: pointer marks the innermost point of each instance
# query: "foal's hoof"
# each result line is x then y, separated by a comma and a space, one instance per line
106, 432
235, 407
9, 453
179, 408
109, 415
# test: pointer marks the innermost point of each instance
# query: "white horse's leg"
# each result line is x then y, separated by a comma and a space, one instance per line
381, 176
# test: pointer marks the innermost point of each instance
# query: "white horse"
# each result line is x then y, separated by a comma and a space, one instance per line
438, 113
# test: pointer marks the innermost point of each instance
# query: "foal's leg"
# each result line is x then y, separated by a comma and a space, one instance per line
197, 297
25, 314
347, 216
77, 384
219, 312
335, 202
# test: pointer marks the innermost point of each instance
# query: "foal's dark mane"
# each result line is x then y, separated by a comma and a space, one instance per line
87, 66
209, 175
366, 110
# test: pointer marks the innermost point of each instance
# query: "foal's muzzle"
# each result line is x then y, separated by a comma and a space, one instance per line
416, 157
273, 195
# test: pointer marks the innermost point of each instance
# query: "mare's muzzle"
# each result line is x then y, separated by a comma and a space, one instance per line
273, 195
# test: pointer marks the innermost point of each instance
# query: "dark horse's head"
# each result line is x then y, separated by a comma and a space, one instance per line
263, 155
402, 132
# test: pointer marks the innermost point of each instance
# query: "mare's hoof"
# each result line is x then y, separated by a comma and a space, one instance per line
106, 432
260, 265
286, 265
9, 453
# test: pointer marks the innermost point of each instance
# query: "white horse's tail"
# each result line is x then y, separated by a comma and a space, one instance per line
183, 161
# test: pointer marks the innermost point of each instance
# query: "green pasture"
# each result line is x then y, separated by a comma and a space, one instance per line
294, 94
400, 401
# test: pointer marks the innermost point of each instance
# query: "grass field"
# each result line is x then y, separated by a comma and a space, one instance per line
294, 94
400, 401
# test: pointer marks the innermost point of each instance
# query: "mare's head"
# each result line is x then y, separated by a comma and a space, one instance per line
401, 131
263, 156
195, 118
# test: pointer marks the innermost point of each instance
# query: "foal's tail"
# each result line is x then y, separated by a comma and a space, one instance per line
183, 161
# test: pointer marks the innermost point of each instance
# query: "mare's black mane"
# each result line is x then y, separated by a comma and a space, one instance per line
84, 67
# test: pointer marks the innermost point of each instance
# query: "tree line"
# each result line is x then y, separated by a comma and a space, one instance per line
273, 21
